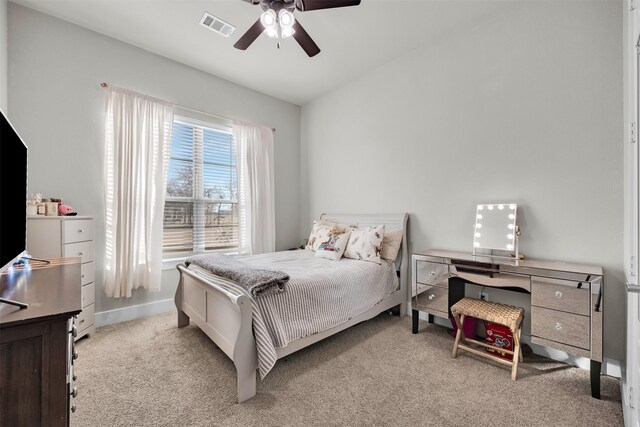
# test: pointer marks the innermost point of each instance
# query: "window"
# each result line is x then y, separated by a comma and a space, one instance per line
200, 212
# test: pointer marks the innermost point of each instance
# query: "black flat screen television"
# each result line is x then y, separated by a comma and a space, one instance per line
13, 195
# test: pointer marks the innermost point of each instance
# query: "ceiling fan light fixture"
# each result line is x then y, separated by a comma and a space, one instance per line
287, 32
269, 19
286, 18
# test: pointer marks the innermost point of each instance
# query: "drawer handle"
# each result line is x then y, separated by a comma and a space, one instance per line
75, 355
73, 408
82, 321
81, 253
558, 294
432, 273
82, 276
558, 326
80, 230
75, 377
74, 393
432, 296
74, 331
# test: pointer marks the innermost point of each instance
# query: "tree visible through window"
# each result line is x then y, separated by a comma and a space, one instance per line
200, 212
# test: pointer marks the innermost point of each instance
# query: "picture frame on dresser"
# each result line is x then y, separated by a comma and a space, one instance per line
68, 236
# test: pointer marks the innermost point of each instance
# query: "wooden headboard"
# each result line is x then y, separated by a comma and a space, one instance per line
391, 222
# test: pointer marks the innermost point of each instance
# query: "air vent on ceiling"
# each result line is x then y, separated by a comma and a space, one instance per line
216, 24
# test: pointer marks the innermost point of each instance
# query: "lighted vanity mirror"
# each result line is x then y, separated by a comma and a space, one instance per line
495, 227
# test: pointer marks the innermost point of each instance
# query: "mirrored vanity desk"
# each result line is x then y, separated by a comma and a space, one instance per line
566, 299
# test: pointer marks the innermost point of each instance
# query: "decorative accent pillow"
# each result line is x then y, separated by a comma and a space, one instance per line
365, 244
321, 232
391, 244
333, 248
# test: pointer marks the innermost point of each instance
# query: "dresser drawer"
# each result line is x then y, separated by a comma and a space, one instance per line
565, 328
78, 230
88, 294
432, 273
85, 318
87, 272
432, 298
563, 295
82, 249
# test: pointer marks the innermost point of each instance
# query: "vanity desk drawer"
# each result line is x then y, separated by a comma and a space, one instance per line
432, 298
432, 273
565, 328
563, 295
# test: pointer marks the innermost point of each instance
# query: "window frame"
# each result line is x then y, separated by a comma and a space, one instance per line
197, 197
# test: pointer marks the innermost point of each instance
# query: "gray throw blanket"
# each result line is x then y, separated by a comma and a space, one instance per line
257, 281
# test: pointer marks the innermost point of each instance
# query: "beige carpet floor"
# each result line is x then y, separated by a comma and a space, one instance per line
150, 373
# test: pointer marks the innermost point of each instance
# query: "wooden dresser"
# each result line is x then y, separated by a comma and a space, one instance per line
566, 298
68, 236
36, 346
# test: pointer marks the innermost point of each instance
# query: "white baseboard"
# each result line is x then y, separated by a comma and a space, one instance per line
611, 367
133, 312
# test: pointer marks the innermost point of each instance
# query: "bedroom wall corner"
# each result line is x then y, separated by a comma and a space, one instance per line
55, 68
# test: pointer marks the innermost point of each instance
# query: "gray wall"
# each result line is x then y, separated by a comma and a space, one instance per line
57, 105
3, 55
526, 107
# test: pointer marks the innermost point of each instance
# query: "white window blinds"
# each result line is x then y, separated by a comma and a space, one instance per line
200, 211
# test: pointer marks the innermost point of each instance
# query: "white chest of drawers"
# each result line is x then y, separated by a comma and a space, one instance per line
566, 298
68, 236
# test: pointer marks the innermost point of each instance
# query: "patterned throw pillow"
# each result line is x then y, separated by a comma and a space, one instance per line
321, 232
334, 247
365, 244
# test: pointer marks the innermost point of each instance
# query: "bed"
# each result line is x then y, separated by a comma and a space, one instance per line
255, 332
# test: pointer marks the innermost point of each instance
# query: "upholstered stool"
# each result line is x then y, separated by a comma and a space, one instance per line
506, 315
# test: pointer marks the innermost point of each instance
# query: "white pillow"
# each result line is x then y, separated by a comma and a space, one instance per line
365, 244
391, 244
333, 248
321, 232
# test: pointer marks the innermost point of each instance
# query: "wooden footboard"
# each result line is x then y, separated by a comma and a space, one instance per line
226, 317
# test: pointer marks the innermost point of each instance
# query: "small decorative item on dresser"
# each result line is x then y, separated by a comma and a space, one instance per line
32, 208
52, 209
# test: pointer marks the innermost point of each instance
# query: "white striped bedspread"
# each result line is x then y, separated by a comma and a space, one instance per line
320, 294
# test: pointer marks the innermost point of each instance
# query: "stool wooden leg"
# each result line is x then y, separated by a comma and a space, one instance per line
516, 354
459, 334
519, 340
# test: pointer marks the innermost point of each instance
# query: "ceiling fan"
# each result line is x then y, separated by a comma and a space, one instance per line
278, 22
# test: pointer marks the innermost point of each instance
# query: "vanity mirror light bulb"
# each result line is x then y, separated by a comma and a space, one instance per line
512, 207
510, 226
478, 225
490, 207
511, 216
509, 236
480, 207
479, 216
476, 244
500, 207
509, 246
478, 235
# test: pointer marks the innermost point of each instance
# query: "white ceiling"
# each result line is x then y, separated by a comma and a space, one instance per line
353, 39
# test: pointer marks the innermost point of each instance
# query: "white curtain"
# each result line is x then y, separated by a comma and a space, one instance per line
256, 196
137, 145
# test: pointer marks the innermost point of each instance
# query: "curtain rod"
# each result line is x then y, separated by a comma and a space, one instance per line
105, 85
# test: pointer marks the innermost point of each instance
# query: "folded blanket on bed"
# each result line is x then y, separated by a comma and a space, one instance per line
257, 281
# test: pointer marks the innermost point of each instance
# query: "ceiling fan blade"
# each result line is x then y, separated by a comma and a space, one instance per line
305, 5
250, 36
304, 40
